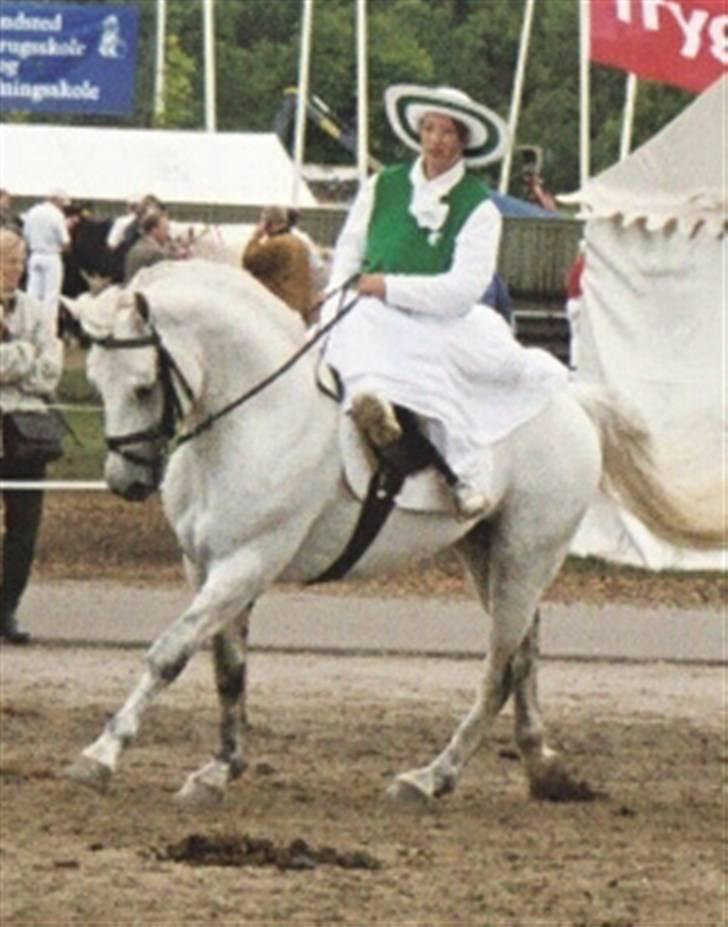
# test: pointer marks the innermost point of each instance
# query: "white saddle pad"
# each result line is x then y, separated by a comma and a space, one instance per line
424, 491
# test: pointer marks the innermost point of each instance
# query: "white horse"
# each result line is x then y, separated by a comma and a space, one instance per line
258, 494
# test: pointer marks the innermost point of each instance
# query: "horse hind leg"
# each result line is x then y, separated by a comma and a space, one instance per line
511, 593
547, 776
207, 785
441, 776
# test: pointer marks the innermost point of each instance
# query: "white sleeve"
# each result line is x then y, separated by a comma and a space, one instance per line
454, 292
117, 230
351, 244
34, 363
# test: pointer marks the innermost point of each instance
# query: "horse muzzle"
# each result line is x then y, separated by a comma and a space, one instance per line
133, 480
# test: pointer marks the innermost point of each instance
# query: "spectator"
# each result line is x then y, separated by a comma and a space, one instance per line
31, 361
281, 260
122, 224
128, 232
46, 230
8, 218
153, 246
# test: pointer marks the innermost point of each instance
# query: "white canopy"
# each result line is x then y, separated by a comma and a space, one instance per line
654, 317
236, 168
678, 176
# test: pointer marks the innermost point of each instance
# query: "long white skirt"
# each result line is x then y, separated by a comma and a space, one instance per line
467, 377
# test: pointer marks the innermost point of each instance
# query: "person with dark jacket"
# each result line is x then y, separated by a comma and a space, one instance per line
31, 362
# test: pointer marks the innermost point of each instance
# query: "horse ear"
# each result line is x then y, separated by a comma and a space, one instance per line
142, 306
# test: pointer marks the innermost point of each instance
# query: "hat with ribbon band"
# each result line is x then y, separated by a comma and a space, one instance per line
406, 104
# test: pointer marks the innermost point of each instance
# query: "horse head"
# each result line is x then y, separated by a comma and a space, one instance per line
145, 394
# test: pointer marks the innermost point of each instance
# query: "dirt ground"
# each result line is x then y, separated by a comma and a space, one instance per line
307, 835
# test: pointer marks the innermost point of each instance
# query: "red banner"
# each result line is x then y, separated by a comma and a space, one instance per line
681, 42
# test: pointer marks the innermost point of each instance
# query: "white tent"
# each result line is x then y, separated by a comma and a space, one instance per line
236, 168
654, 316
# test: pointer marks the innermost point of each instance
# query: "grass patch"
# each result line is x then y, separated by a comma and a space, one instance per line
83, 449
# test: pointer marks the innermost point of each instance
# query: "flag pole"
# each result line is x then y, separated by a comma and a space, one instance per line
302, 99
159, 75
362, 139
517, 94
208, 24
628, 118
584, 89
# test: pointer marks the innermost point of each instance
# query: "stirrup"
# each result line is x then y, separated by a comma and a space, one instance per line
375, 418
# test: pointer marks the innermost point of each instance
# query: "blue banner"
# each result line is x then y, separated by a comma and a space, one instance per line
68, 58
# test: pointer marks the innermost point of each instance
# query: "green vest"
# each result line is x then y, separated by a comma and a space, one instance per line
396, 243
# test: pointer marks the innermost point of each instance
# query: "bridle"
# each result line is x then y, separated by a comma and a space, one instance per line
172, 381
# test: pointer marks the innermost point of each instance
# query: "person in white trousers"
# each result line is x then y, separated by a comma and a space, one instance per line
46, 231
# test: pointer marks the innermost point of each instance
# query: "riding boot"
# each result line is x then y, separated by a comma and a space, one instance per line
376, 419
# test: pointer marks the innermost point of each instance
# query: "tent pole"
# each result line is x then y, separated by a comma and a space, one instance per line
302, 99
362, 140
517, 94
159, 74
584, 89
209, 43
628, 118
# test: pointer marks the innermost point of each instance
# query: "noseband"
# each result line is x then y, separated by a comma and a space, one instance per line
170, 377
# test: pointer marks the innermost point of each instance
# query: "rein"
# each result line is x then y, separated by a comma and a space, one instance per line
171, 374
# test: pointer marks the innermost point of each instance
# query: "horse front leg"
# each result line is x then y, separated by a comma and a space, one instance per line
215, 606
208, 784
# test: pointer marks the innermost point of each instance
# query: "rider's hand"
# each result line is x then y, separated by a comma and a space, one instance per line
372, 285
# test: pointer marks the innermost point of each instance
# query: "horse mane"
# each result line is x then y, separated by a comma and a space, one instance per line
170, 286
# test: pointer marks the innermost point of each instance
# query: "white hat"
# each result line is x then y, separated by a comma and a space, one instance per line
406, 104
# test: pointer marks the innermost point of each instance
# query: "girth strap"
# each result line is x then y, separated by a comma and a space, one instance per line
384, 485
411, 453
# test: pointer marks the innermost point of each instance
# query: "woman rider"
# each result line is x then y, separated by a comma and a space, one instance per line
425, 238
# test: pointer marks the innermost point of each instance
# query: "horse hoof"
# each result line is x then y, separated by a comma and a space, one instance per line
406, 791
196, 794
89, 772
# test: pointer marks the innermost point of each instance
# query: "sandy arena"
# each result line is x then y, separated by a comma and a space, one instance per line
307, 836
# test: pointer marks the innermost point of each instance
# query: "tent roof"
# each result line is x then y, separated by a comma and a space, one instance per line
237, 168
676, 176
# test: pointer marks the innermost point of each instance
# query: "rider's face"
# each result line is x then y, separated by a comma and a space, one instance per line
442, 145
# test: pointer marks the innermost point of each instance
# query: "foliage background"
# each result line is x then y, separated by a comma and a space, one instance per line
471, 44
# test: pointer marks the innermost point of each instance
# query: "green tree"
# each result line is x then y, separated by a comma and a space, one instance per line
181, 107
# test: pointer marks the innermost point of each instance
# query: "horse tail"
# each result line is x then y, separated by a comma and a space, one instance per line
632, 477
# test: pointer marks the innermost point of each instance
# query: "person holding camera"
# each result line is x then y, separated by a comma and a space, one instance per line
31, 363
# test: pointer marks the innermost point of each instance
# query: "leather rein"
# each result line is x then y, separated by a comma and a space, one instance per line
173, 380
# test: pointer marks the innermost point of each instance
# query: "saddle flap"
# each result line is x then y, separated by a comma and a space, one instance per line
424, 491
